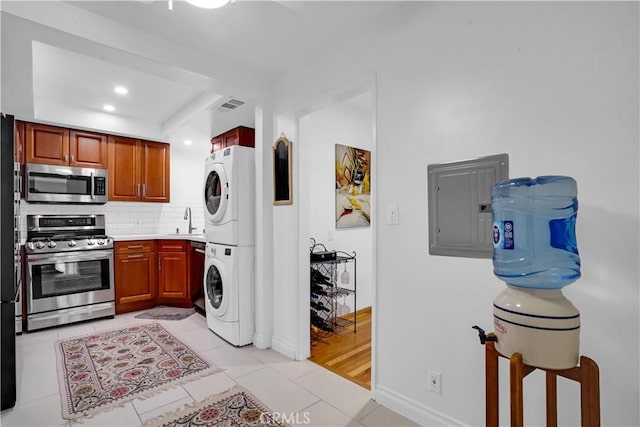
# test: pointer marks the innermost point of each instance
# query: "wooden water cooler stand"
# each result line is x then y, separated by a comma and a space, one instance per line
587, 374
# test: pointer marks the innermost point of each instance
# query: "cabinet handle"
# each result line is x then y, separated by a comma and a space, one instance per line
160, 264
73, 158
65, 158
144, 191
200, 251
135, 246
135, 256
138, 191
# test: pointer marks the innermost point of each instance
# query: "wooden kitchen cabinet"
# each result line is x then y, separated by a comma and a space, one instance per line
241, 135
138, 170
47, 144
155, 172
217, 143
87, 149
53, 145
173, 286
135, 275
124, 169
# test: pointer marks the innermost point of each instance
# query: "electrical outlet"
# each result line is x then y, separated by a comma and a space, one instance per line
434, 381
392, 214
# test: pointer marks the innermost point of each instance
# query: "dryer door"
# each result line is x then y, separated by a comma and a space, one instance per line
216, 193
216, 290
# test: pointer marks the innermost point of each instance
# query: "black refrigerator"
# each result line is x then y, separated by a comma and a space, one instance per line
9, 260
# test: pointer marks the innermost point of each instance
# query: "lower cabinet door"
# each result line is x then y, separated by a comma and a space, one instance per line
135, 281
172, 275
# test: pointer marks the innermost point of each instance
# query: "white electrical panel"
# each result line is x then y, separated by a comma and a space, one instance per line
459, 204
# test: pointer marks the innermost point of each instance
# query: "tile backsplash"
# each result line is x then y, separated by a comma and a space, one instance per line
125, 217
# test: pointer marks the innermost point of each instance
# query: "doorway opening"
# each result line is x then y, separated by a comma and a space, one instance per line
348, 353
338, 149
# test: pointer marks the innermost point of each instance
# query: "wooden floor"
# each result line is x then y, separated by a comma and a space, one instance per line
348, 353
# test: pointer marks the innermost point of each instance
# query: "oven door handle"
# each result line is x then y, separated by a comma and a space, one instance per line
69, 257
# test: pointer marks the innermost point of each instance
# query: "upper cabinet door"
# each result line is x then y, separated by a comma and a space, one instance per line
217, 143
232, 138
155, 172
47, 144
124, 169
87, 149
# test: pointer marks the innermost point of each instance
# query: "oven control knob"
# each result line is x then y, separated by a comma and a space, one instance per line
30, 246
52, 244
72, 243
100, 241
91, 242
39, 245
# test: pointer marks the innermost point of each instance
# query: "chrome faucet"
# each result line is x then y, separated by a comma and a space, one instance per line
187, 215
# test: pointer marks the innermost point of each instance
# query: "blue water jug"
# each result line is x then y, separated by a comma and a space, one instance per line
534, 239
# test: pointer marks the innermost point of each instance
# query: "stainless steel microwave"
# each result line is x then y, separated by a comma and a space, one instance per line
63, 184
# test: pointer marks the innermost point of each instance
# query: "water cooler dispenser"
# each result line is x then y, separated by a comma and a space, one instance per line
536, 254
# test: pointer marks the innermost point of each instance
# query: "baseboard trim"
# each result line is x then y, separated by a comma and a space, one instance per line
415, 411
283, 347
262, 342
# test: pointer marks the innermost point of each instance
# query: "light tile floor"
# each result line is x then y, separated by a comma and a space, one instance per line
319, 397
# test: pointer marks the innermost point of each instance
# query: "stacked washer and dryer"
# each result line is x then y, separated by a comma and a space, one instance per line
229, 200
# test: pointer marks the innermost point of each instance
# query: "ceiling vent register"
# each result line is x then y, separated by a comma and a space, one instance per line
230, 104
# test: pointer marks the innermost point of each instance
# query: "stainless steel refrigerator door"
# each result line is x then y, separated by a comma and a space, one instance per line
7, 264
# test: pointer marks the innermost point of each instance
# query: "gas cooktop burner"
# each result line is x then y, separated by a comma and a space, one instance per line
42, 245
57, 233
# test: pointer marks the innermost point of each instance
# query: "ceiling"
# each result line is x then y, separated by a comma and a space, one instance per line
179, 65
261, 35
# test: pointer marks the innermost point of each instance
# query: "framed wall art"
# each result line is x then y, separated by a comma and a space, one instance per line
353, 187
282, 172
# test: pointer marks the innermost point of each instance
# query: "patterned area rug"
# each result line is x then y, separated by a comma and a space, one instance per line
104, 370
166, 313
234, 408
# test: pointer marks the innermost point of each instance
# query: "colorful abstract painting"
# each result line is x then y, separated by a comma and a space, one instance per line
353, 187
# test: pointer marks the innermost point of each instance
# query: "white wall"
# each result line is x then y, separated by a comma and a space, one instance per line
555, 85
321, 131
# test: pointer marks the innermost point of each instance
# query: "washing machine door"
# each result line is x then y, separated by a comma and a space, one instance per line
216, 291
216, 193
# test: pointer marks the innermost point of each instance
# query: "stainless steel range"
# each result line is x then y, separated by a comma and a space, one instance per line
69, 270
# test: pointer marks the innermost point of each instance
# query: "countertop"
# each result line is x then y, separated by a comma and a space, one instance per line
172, 236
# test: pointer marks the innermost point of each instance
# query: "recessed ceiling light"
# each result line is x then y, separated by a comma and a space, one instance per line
110, 108
121, 90
187, 142
208, 4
